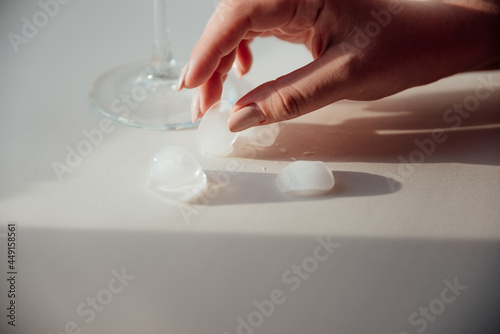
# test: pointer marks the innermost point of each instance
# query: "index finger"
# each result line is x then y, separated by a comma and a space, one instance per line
233, 21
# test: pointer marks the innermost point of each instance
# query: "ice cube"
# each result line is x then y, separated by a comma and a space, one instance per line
213, 136
264, 135
305, 178
176, 174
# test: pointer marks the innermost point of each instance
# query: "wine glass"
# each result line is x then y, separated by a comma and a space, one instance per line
145, 95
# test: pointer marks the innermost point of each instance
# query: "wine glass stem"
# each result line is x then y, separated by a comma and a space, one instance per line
162, 60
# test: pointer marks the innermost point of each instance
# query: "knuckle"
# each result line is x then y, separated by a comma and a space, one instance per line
223, 7
286, 102
307, 13
226, 5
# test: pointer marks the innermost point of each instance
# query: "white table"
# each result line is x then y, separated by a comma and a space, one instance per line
402, 232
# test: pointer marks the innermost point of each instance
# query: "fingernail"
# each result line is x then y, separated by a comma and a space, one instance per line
245, 118
182, 77
195, 107
236, 69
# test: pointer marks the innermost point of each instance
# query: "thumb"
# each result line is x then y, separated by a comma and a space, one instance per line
323, 81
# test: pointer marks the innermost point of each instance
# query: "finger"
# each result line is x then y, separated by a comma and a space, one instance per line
233, 21
324, 81
211, 91
244, 58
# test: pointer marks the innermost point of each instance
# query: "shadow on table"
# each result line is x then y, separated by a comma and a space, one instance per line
167, 279
406, 121
242, 187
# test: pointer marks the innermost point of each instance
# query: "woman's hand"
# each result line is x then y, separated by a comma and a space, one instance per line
362, 50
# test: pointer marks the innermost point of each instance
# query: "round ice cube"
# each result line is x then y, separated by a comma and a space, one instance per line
213, 136
264, 135
305, 178
176, 174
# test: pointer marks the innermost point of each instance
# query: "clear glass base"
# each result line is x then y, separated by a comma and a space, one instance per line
132, 95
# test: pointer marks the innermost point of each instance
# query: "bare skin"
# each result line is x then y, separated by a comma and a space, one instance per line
362, 50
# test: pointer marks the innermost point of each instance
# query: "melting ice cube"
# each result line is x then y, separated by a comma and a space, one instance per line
305, 178
176, 174
213, 136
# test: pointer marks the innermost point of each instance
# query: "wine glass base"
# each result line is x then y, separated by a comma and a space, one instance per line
130, 95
